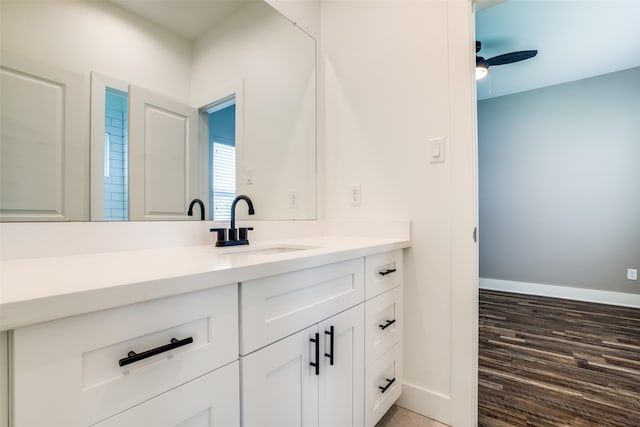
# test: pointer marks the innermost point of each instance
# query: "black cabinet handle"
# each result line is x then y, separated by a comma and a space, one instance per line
316, 364
389, 382
133, 357
330, 354
389, 271
386, 325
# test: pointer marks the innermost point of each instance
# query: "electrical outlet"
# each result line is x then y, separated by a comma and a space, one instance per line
632, 274
293, 199
355, 195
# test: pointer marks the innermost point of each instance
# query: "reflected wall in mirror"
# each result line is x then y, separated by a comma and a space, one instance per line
53, 53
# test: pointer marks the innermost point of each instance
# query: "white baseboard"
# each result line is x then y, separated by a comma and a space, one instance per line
426, 402
566, 292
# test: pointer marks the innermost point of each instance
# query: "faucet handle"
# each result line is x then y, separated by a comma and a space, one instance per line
243, 232
222, 233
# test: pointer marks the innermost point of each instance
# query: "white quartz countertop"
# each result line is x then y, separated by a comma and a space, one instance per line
35, 290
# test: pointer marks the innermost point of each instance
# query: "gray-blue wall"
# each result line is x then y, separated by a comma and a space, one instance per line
559, 177
222, 125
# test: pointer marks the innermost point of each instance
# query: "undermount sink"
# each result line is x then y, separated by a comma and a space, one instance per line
268, 250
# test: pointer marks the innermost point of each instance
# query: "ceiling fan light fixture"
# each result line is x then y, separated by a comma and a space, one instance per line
482, 64
481, 71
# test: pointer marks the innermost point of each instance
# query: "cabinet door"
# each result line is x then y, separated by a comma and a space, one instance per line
383, 272
163, 144
383, 384
70, 368
208, 401
341, 391
279, 387
383, 323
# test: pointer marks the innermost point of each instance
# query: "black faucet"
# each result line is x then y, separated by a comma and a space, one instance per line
233, 208
236, 236
199, 202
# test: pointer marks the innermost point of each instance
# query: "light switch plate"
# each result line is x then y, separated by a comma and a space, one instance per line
632, 274
436, 150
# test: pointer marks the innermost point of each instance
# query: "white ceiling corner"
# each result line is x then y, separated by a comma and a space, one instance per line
189, 19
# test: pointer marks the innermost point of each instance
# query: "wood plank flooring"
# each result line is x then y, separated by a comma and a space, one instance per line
551, 362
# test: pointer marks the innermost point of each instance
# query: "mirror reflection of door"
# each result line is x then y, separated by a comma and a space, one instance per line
163, 146
222, 158
43, 175
133, 126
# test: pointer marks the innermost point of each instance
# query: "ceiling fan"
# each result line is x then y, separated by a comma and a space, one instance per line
482, 64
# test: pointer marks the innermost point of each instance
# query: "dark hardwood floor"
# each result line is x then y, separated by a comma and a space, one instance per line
553, 362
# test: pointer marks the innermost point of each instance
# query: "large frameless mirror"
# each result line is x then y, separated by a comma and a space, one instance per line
127, 110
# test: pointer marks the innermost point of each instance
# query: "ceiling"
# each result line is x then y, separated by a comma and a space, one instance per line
189, 19
575, 39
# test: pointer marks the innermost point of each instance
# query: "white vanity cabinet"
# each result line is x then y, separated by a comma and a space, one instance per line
287, 322
383, 326
314, 344
303, 335
81, 370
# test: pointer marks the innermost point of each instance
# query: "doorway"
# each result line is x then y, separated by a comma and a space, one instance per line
221, 121
116, 155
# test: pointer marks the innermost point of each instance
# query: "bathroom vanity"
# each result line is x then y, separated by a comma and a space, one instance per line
288, 333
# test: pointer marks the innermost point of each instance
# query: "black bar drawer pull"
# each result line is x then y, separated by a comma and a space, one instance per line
386, 325
330, 354
389, 382
133, 357
316, 364
389, 271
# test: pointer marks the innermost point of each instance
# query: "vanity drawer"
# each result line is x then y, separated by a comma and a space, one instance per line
274, 307
383, 384
208, 401
70, 369
383, 323
383, 272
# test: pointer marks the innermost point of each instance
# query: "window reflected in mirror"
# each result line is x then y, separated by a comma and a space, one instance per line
222, 159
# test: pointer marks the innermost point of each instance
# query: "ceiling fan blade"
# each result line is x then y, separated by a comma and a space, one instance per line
509, 58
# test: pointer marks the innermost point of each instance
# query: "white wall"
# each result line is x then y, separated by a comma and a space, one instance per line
97, 36
274, 64
560, 184
394, 75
